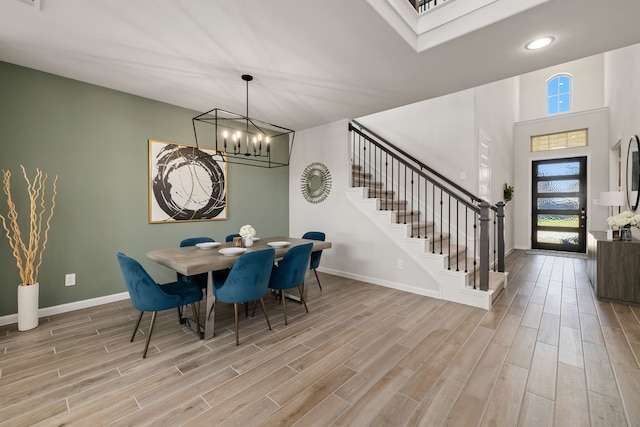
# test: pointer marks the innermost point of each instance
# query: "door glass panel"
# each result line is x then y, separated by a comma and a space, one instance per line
559, 169
559, 203
559, 186
558, 238
548, 220
559, 209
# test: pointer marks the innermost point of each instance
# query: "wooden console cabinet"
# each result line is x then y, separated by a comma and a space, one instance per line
613, 267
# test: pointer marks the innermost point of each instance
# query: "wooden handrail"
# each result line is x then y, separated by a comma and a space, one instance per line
441, 177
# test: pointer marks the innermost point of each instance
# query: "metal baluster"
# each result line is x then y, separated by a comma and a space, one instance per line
457, 236
441, 218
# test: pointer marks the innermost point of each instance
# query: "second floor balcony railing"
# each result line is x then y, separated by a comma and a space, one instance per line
424, 5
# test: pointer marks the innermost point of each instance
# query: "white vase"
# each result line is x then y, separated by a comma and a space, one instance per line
28, 307
247, 241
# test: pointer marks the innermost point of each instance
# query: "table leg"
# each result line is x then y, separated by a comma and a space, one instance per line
209, 320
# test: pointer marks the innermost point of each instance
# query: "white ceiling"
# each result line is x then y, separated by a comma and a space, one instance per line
313, 62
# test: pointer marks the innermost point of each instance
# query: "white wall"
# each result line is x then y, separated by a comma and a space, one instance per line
587, 90
588, 102
622, 91
442, 132
496, 109
359, 250
597, 123
439, 132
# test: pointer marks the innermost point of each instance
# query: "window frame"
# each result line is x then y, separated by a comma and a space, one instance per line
559, 94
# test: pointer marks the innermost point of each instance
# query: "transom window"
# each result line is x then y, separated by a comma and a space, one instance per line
559, 94
556, 141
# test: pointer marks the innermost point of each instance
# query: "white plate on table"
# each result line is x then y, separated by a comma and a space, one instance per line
232, 251
207, 245
278, 244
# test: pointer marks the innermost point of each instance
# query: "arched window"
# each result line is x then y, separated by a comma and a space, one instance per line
559, 94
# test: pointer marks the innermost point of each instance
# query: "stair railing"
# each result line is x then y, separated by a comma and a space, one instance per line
407, 186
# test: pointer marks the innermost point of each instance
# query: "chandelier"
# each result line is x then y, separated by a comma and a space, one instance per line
242, 140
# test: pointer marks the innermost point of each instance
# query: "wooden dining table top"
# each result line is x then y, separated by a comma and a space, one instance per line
192, 260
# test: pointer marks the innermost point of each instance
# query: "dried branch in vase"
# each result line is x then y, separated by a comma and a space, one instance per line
28, 254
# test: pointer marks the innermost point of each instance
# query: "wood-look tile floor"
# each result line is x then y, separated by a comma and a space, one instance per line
548, 353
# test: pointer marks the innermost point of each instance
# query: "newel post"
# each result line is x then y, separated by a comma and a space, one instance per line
484, 245
500, 205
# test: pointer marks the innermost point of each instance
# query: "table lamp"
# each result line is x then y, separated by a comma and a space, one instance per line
611, 199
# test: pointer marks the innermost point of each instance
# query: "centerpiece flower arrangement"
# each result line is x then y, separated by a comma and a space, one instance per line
247, 230
624, 219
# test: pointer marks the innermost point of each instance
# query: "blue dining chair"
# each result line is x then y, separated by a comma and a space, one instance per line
315, 256
247, 281
147, 295
197, 279
290, 272
230, 237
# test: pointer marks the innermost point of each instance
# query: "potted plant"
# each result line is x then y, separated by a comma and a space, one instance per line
507, 193
28, 254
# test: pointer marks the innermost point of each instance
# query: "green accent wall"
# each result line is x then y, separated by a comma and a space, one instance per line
96, 140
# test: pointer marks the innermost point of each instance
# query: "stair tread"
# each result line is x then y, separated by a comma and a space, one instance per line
366, 183
418, 223
381, 193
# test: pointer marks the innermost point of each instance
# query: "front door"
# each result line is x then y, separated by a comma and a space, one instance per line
559, 200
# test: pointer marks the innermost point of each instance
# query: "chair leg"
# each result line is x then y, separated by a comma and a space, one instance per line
302, 299
153, 321
195, 313
181, 317
284, 306
235, 312
255, 304
264, 310
213, 309
317, 279
137, 326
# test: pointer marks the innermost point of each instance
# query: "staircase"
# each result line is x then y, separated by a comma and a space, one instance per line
414, 211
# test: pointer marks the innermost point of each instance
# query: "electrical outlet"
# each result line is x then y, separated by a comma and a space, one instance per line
70, 279
399, 264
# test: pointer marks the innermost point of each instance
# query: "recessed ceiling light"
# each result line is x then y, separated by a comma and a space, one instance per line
539, 43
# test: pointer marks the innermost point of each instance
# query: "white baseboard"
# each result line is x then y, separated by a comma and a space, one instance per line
385, 283
64, 308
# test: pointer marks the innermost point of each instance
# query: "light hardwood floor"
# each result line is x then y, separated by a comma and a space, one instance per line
548, 353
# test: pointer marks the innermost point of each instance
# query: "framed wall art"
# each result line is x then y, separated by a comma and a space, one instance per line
186, 183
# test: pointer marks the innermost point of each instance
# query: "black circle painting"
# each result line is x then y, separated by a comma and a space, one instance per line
186, 183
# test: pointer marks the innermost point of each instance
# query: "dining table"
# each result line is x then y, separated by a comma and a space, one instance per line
192, 260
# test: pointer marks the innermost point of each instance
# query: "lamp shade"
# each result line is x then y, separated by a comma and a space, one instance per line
612, 198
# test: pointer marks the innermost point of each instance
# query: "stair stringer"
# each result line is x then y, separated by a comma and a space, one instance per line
452, 285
